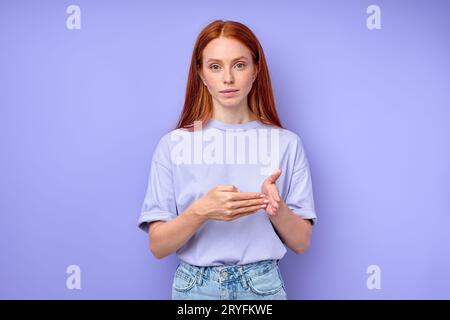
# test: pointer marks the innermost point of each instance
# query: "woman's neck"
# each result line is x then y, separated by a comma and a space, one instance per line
234, 118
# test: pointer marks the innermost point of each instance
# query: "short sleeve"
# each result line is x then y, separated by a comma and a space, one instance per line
300, 197
159, 202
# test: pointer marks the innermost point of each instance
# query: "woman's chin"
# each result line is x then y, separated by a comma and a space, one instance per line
230, 103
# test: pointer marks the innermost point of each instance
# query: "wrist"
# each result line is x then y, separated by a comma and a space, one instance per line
196, 213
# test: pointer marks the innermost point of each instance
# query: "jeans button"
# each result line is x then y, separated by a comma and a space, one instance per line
224, 274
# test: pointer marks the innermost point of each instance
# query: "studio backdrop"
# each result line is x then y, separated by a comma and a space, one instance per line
89, 87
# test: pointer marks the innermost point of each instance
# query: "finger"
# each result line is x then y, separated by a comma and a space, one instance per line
275, 203
274, 176
236, 196
273, 211
227, 188
272, 200
248, 203
270, 210
275, 195
248, 209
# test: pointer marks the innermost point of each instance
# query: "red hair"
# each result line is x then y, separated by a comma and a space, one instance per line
198, 104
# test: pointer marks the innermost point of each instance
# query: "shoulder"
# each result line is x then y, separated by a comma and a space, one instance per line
290, 136
174, 136
287, 137
162, 150
167, 142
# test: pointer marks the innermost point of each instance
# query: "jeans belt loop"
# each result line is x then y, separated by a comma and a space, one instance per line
243, 278
200, 276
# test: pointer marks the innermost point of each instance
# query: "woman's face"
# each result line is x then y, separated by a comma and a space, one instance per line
228, 64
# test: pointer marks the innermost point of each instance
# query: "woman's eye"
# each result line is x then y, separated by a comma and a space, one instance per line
216, 66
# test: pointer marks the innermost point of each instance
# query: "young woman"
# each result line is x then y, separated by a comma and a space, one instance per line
228, 209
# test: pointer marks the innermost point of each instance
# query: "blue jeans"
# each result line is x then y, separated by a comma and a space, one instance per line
254, 281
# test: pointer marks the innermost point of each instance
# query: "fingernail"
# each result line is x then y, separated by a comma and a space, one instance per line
263, 195
263, 205
266, 201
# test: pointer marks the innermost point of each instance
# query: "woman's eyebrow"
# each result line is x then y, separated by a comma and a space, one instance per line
238, 58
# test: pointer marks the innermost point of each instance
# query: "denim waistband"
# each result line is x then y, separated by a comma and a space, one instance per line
227, 273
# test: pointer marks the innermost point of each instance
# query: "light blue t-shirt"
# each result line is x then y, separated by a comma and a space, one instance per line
186, 165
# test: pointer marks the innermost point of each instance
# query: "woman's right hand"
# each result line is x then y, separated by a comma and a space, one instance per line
226, 203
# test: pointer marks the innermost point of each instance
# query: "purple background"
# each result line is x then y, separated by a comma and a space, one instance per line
82, 111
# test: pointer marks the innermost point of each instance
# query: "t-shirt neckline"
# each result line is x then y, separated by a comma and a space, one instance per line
214, 123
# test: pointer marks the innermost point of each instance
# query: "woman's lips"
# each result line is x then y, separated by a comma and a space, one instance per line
229, 93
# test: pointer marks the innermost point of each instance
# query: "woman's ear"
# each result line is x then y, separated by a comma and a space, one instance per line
201, 77
255, 74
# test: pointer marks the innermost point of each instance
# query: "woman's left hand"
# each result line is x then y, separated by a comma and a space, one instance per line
270, 189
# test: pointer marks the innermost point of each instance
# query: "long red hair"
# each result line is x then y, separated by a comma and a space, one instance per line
198, 104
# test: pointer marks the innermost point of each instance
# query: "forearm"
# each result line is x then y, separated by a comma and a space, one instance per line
169, 236
293, 230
